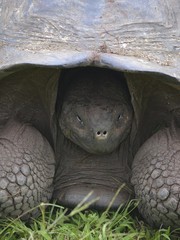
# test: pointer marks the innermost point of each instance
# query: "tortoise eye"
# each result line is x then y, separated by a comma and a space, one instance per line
119, 117
79, 119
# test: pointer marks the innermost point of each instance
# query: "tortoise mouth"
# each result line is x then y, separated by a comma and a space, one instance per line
99, 197
96, 146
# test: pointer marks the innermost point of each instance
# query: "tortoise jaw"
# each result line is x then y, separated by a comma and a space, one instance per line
99, 146
96, 197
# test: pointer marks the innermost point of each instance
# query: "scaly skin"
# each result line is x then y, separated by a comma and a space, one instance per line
96, 121
26, 169
156, 178
96, 112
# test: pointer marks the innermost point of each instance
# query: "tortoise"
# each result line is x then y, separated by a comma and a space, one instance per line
90, 100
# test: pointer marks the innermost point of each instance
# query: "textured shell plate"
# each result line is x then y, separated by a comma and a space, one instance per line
126, 35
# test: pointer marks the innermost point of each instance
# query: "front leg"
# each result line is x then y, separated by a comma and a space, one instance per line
26, 169
156, 178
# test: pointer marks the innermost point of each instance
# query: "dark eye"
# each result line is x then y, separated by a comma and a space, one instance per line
120, 117
79, 119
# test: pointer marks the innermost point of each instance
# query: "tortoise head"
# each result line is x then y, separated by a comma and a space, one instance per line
96, 112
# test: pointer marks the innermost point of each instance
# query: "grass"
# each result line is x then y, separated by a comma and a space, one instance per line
56, 222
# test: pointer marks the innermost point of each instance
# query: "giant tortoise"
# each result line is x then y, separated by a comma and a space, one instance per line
89, 100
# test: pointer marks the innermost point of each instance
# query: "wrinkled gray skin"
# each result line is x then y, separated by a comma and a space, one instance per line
27, 161
96, 119
26, 178
96, 113
156, 179
156, 164
92, 145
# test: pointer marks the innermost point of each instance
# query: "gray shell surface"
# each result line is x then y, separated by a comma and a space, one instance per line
126, 35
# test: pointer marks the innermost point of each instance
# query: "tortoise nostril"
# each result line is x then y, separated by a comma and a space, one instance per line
101, 133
